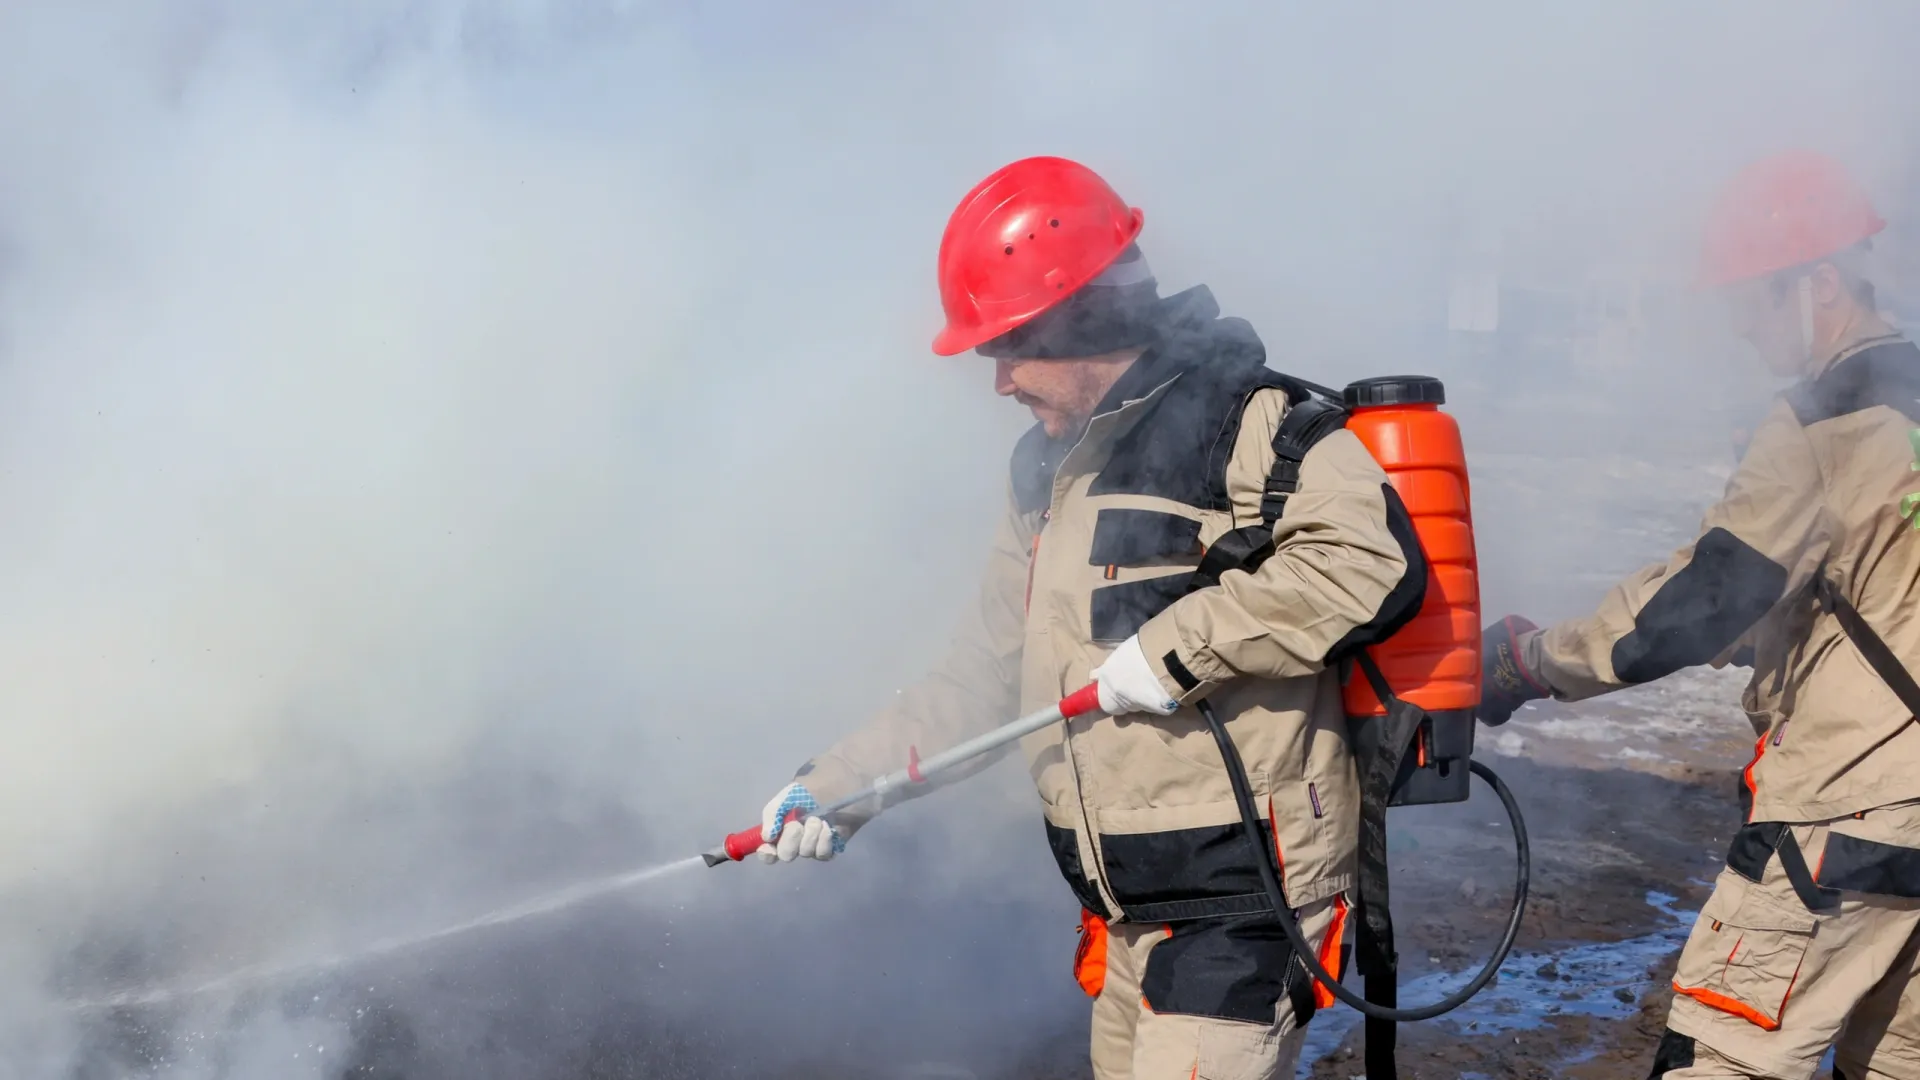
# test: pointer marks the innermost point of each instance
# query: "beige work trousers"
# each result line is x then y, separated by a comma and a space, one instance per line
1132, 1042
1765, 986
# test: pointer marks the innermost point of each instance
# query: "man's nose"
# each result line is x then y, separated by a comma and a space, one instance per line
1003, 377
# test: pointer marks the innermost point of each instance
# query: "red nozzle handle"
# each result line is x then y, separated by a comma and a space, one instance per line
747, 841
1084, 700
742, 844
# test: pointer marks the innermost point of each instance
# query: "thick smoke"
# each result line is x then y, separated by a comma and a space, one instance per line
452, 448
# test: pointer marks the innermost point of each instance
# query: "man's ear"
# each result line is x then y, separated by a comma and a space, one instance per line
1828, 287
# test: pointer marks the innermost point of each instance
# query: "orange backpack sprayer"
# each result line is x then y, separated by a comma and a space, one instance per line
1433, 661
1410, 695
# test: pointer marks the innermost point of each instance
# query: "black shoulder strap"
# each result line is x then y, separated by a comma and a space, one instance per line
1872, 646
1307, 421
1310, 418
1886, 374
1375, 953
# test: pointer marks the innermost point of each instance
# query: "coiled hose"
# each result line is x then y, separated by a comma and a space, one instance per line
1263, 862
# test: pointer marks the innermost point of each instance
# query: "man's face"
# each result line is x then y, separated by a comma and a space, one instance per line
1765, 313
1062, 394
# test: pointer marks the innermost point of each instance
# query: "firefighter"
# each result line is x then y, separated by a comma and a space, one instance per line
1809, 569
1157, 420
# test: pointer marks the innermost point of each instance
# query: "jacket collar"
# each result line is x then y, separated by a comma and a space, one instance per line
1869, 330
1193, 336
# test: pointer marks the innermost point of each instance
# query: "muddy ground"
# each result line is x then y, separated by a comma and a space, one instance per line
1639, 834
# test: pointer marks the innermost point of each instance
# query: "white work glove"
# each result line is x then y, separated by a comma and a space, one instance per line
1128, 685
805, 837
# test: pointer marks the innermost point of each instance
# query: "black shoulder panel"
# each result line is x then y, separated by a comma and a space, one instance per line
1404, 600
1726, 588
1886, 374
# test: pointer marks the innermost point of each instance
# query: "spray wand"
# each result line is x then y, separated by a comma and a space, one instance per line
736, 847
918, 771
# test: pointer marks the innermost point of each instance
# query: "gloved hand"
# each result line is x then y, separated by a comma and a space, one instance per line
803, 837
1128, 685
1505, 682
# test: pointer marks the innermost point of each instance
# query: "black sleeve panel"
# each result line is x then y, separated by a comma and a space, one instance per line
1725, 588
1404, 602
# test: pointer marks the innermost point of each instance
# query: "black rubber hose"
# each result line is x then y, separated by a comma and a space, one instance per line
1263, 862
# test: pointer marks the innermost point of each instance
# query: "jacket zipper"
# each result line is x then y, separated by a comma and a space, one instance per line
1095, 869
1033, 558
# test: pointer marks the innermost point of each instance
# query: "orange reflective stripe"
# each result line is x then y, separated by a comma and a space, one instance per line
1330, 953
1728, 1005
1746, 775
1090, 959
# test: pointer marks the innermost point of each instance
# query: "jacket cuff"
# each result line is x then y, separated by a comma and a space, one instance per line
1185, 677
1530, 648
829, 779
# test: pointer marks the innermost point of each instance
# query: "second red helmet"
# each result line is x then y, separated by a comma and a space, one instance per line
1784, 211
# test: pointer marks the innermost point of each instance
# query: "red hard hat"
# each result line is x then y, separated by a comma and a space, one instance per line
1785, 211
1022, 241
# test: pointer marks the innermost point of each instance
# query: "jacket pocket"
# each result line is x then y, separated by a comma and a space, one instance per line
1117, 612
1222, 969
1124, 537
1237, 1051
1745, 951
1139, 540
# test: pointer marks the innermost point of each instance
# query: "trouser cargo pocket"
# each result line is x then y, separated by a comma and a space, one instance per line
1237, 1051
1743, 956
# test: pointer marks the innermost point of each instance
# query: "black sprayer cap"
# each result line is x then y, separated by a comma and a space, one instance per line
1395, 390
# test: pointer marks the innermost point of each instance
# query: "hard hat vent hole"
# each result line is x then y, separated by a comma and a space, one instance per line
1009, 249
1054, 224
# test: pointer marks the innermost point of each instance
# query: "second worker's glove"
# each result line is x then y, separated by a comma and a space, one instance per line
1505, 682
